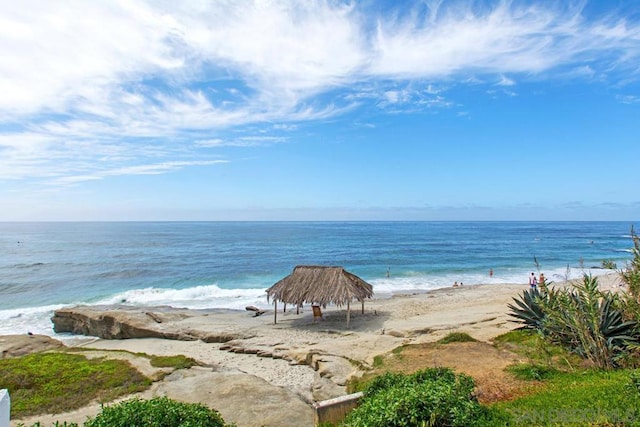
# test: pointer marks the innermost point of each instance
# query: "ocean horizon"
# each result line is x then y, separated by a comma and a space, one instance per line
49, 265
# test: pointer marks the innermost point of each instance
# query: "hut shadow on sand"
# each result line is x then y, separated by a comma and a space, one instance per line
334, 320
320, 286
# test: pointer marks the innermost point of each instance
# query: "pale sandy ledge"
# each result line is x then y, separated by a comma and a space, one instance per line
270, 374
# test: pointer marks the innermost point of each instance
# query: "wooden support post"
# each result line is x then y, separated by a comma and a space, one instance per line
275, 311
362, 306
348, 312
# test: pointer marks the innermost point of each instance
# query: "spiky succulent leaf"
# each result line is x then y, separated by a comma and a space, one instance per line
528, 309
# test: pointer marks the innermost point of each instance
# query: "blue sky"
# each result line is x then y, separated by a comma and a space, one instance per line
319, 110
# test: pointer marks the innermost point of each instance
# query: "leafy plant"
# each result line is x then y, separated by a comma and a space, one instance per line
583, 319
529, 309
589, 322
434, 397
631, 273
157, 412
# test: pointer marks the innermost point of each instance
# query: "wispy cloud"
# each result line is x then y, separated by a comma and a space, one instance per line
89, 84
147, 169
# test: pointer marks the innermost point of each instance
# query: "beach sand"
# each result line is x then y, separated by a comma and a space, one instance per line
302, 360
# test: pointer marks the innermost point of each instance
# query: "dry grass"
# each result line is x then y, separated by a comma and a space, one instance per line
482, 361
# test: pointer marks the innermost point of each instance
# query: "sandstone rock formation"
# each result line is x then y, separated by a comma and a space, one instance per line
122, 322
20, 345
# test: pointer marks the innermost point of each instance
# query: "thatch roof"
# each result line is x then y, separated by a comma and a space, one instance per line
313, 284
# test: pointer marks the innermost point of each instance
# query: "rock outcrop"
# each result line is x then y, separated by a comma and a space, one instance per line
122, 322
20, 345
262, 404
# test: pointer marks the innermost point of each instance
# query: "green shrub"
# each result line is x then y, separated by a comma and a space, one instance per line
157, 412
584, 320
434, 397
631, 273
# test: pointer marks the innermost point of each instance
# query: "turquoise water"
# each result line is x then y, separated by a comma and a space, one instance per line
45, 266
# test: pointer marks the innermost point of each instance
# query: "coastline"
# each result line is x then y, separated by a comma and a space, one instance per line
301, 360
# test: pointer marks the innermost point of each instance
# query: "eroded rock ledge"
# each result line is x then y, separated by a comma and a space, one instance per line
122, 322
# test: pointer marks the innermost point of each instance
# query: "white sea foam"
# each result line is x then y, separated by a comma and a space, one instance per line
423, 283
38, 319
210, 296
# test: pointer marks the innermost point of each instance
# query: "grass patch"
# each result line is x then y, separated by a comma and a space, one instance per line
398, 350
531, 345
176, 362
532, 372
378, 361
42, 383
588, 397
456, 337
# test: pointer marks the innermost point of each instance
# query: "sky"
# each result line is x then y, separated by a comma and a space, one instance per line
319, 110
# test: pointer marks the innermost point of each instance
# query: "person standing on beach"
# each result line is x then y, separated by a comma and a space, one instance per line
533, 282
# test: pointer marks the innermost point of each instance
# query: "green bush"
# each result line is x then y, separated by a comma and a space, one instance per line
631, 273
157, 412
584, 320
434, 397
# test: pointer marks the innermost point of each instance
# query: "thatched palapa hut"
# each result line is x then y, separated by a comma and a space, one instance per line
320, 285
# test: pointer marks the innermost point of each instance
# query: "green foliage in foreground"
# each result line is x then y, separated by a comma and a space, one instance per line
157, 412
58, 382
434, 397
583, 319
631, 273
592, 397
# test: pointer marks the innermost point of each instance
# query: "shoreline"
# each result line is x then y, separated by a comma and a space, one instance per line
37, 319
309, 360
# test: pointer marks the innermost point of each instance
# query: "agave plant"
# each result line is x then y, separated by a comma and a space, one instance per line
529, 309
583, 320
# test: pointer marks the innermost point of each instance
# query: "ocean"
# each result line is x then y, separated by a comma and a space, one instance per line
46, 266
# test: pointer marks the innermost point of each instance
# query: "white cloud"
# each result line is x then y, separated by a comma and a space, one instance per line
84, 83
147, 169
505, 81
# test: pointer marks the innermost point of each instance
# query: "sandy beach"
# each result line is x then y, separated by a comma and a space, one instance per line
300, 360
